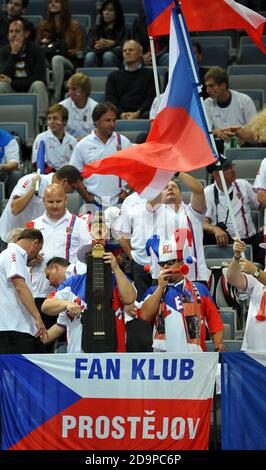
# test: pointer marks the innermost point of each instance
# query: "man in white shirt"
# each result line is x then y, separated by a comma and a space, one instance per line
58, 144
9, 160
225, 107
218, 226
79, 105
106, 190
26, 203
247, 278
63, 233
20, 321
259, 187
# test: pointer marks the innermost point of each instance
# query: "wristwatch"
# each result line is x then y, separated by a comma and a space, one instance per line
256, 273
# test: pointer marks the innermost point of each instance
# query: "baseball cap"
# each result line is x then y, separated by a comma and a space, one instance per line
225, 163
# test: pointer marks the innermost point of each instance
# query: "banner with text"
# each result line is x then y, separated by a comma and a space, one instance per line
107, 401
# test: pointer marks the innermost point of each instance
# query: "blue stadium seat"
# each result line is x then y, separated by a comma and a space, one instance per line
98, 96
131, 129
21, 99
230, 345
250, 69
229, 317
98, 76
84, 20
17, 128
251, 54
257, 82
34, 19
216, 255
257, 96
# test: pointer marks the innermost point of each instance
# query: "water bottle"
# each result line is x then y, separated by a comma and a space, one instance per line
233, 142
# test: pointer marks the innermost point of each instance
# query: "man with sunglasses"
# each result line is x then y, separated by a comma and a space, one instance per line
178, 307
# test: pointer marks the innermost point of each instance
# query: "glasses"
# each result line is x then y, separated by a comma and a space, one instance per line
170, 262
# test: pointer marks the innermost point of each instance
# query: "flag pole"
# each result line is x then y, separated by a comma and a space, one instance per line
154, 68
199, 88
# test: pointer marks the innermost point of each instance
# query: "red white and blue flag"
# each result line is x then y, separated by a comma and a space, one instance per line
179, 139
106, 401
206, 15
243, 402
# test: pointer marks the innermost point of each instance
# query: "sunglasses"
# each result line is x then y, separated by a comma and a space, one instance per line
170, 262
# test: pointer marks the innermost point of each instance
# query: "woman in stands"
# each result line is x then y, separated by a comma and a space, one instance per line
63, 41
106, 39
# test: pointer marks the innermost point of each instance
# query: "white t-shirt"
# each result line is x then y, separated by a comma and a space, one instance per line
255, 331
11, 152
245, 199
260, 183
138, 221
239, 112
13, 315
79, 122
62, 238
105, 188
73, 324
57, 154
34, 209
187, 218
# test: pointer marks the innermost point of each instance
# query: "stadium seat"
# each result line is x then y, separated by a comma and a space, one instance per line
21, 113
129, 19
19, 129
216, 255
229, 317
34, 19
246, 153
230, 345
257, 82
247, 161
132, 128
21, 99
98, 76
254, 69
97, 96
257, 96
84, 20
250, 54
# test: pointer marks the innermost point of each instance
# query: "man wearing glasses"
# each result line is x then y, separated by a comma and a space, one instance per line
180, 308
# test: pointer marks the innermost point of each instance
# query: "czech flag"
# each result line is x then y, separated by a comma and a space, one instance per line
179, 139
206, 15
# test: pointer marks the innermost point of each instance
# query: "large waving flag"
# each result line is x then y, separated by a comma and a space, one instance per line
206, 15
243, 401
179, 139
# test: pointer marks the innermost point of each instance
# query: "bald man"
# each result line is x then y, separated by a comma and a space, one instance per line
131, 89
63, 233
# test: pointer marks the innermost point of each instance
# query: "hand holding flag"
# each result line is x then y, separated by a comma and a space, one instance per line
179, 139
